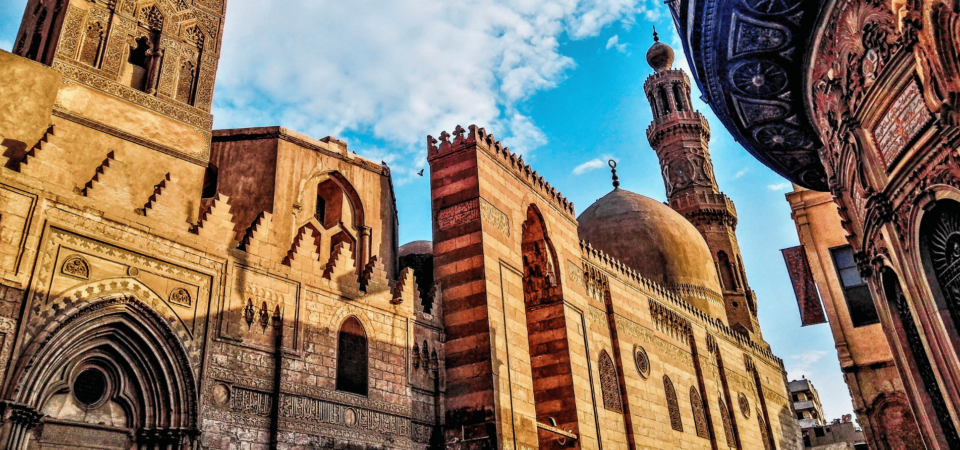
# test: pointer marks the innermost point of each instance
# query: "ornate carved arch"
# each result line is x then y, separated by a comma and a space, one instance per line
124, 337
673, 407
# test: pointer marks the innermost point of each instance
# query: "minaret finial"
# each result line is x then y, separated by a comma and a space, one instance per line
613, 171
655, 37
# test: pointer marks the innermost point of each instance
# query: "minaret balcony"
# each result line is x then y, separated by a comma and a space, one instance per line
690, 120
703, 200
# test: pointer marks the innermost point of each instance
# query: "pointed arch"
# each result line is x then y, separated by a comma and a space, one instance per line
664, 100
609, 383
673, 407
352, 357
136, 361
541, 280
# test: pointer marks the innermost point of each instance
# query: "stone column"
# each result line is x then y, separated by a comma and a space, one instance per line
18, 420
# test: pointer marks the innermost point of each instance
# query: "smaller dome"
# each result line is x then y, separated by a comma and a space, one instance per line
416, 248
660, 55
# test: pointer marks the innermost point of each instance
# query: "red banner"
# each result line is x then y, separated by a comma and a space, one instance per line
808, 299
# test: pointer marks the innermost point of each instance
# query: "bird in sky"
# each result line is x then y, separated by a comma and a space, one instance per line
420, 172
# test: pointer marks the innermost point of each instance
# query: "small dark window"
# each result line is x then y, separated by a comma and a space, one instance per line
678, 97
806, 440
799, 415
320, 209
210, 182
818, 432
859, 301
90, 386
795, 398
352, 358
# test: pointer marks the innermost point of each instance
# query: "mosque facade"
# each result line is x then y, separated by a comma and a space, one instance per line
170, 286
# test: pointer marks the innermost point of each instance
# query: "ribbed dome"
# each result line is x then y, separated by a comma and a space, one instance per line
660, 55
649, 237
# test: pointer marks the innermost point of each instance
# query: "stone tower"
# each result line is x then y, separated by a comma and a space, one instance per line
680, 137
142, 70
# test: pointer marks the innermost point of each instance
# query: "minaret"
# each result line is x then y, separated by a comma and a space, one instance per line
680, 135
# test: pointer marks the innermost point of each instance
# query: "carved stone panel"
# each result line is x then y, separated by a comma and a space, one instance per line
901, 123
253, 299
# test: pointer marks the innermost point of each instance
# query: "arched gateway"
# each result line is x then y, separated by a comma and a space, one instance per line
112, 373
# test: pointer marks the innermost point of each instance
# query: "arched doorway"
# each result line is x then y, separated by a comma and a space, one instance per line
112, 373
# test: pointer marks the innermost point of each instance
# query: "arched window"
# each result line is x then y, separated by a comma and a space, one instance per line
940, 253
699, 414
352, 358
904, 324
135, 74
609, 383
672, 405
653, 106
92, 42
665, 102
727, 425
726, 271
679, 97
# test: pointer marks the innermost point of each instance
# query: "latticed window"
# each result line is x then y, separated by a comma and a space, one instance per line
727, 425
185, 85
92, 41
609, 383
699, 415
672, 405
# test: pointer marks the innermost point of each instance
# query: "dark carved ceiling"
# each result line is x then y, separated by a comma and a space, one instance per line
747, 57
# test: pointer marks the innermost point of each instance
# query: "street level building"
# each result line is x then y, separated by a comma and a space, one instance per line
861, 99
806, 403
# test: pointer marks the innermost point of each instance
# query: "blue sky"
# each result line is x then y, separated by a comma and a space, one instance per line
560, 81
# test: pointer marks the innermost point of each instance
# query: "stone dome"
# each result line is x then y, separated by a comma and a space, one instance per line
416, 248
649, 237
660, 55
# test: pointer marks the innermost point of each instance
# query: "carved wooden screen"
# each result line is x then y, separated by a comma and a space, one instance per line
609, 383
352, 363
672, 405
699, 415
727, 425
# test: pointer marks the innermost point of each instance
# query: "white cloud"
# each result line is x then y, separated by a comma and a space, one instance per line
802, 364
741, 172
593, 164
399, 70
779, 186
588, 166
614, 43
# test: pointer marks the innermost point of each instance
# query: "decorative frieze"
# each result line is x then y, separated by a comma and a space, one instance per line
460, 214
490, 214
315, 416
906, 117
